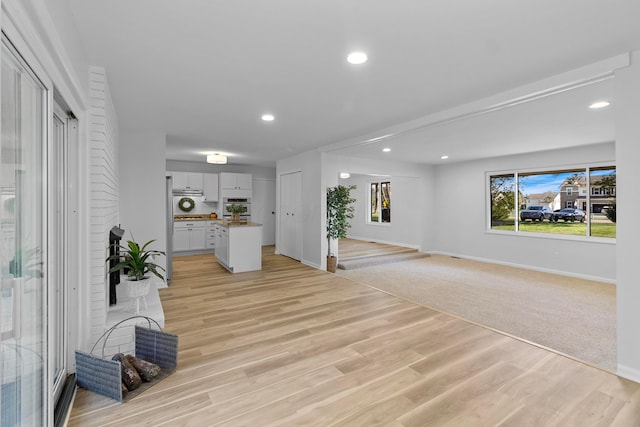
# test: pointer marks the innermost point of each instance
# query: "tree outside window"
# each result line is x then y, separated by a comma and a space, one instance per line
579, 202
380, 202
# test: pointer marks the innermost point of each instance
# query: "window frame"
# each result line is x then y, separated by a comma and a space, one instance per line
379, 185
517, 172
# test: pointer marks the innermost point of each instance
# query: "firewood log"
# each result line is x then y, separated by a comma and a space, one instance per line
130, 376
147, 370
125, 390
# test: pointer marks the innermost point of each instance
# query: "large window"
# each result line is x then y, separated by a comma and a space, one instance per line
380, 202
23, 294
579, 202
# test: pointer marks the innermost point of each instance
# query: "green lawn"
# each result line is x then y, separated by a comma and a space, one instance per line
598, 229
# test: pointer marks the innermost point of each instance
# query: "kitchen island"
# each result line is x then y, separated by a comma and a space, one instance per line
238, 245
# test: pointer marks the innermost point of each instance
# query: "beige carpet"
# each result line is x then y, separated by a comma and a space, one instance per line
573, 316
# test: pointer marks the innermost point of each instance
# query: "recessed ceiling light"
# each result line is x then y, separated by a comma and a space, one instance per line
600, 104
444, 157
345, 175
386, 150
268, 117
357, 58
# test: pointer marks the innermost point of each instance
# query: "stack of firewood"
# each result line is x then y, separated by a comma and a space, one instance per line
134, 371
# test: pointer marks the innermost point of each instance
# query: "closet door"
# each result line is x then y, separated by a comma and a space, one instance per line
290, 214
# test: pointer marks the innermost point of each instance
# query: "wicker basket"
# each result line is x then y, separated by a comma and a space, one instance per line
104, 376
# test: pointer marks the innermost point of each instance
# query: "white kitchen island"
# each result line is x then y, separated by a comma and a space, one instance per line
238, 245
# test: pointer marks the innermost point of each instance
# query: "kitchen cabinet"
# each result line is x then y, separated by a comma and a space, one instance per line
222, 246
210, 239
210, 187
235, 185
239, 247
189, 236
189, 181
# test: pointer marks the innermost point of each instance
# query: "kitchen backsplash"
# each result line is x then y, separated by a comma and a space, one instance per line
201, 207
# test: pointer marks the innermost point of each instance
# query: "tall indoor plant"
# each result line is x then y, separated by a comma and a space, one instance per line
339, 212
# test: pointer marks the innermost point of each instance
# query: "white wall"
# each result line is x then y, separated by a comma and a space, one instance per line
143, 188
103, 193
627, 112
313, 245
412, 216
406, 216
461, 200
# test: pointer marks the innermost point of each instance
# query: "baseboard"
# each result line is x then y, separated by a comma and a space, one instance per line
404, 245
311, 264
628, 373
529, 267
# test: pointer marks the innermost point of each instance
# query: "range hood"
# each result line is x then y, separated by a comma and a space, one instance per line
185, 192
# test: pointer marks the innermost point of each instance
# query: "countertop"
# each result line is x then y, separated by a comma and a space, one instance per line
226, 223
194, 217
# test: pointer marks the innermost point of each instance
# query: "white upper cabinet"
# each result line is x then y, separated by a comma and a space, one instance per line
235, 181
192, 181
210, 191
235, 185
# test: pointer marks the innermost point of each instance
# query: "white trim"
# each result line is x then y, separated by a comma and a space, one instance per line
628, 373
386, 242
528, 267
40, 35
310, 264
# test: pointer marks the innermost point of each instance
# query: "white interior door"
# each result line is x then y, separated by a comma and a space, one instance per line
290, 215
263, 208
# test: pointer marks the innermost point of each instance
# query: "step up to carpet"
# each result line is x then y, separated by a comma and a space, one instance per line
368, 261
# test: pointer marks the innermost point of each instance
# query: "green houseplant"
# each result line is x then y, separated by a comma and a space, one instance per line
137, 260
235, 211
339, 212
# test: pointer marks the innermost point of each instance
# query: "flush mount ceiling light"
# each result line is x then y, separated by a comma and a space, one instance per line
386, 150
218, 159
357, 58
268, 117
599, 104
344, 175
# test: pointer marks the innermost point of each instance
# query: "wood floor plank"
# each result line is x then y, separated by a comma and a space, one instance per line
292, 345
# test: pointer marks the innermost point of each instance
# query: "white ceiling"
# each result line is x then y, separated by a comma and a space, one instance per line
204, 71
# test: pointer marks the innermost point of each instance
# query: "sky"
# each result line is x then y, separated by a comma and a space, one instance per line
541, 183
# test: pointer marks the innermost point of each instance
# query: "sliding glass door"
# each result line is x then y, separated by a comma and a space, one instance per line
23, 293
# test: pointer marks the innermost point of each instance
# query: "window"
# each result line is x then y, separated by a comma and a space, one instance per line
578, 202
380, 202
23, 337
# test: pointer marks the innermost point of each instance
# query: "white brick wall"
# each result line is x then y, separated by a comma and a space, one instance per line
103, 155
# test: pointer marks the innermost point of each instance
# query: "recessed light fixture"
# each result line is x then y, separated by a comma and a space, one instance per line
268, 117
599, 104
386, 150
357, 58
218, 159
444, 157
344, 175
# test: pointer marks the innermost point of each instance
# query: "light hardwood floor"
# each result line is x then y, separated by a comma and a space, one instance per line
295, 346
352, 248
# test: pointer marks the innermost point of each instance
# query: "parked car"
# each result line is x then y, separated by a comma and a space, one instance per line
536, 213
568, 214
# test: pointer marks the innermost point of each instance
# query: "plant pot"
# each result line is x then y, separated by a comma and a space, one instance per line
332, 264
235, 217
136, 288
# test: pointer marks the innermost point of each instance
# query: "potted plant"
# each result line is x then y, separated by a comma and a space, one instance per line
138, 262
339, 212
235, 211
